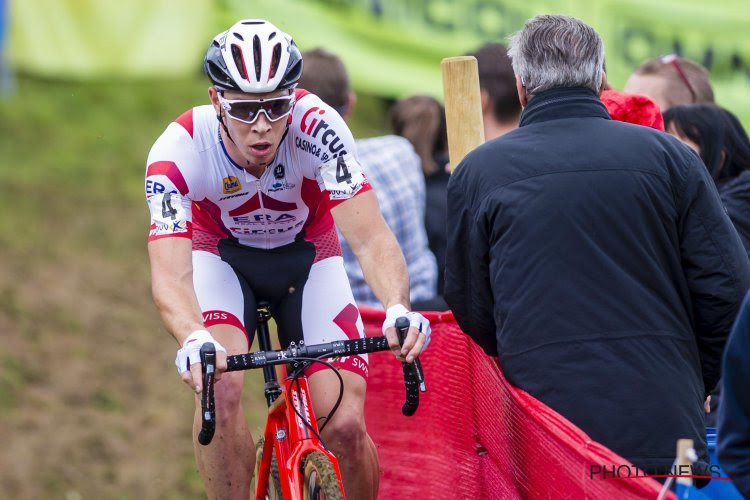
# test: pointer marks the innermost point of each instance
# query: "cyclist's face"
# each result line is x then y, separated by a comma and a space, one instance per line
256, 142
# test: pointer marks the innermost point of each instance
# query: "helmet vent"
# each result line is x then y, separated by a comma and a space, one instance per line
271, 36
253, 22
238, 36
275, 59
239, 61
256, 56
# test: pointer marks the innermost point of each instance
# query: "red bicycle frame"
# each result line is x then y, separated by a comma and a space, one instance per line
292, 434
292, 439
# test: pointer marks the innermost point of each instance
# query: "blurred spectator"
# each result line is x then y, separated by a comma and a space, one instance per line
717, 136
6, 78
594, 257
497, 84
633, 108
670, 81
421, 120
395, 173
733, 436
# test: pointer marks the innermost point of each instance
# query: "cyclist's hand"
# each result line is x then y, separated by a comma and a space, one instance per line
188, 359
417, 338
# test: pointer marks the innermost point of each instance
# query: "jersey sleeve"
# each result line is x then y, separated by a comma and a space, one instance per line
171, 183
321, 132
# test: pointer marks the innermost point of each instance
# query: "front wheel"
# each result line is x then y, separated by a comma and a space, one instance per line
320, 481
273, 492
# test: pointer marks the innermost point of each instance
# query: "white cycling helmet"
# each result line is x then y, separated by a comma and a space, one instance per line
253, 56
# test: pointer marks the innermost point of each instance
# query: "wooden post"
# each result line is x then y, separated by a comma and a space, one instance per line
463, 106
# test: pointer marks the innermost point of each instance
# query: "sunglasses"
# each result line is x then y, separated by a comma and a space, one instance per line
247, 111
674, 60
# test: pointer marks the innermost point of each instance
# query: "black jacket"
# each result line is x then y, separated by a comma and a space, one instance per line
596, 259
436, 210
735, 194
733, 443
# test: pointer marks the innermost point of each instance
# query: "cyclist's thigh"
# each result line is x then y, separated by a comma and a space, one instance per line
329, 313
324, 391
225, 300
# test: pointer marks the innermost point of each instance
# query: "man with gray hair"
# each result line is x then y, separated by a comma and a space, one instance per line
594, 256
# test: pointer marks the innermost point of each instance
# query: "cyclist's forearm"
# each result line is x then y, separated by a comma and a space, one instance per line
172, 286
375, 247
384, 270
178, 307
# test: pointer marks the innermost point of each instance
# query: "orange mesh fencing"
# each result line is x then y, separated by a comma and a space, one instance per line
475, 436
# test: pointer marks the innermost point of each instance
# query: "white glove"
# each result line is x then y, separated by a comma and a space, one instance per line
189, 354
415, 319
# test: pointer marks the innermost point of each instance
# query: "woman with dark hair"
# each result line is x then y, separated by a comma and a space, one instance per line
717, 136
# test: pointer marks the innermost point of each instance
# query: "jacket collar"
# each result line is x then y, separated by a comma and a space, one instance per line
560, 103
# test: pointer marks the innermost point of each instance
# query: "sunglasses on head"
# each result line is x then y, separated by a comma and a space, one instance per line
248, 110
674, 60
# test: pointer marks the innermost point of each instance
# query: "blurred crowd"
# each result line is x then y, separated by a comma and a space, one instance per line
410, 172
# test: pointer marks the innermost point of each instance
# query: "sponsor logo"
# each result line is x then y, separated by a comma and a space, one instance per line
278, 171
307, 146
234, 196
215, 316
344, 194
301, 406
243, 229
359, 363
153, 187
168, 228
280, 186
231, 185
316, 127
264, 219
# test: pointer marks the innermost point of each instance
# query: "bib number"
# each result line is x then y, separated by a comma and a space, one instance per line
342, 177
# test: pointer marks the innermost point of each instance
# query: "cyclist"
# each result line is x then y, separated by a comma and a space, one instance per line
243, 195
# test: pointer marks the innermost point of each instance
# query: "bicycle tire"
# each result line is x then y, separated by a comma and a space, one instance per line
273, 492
320, 481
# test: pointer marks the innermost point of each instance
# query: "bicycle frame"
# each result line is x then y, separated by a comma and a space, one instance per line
290, 442
292, 433
286, 433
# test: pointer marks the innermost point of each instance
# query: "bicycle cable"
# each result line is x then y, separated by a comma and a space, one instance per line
295, 377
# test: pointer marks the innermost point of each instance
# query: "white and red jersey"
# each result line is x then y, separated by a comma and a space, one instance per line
195, 190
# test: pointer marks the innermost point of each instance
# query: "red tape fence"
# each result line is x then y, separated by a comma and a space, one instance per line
475, 436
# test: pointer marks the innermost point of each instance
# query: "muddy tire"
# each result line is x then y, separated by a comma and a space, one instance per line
320, 481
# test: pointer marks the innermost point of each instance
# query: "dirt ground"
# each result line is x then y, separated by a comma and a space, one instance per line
90, 403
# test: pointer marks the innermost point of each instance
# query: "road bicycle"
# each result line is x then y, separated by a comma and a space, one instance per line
292, 462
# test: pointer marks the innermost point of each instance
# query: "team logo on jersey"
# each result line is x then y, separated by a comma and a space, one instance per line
278, 171
314, 125
231, 185
280, 186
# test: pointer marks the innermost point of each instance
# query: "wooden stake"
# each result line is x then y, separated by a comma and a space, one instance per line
463, 106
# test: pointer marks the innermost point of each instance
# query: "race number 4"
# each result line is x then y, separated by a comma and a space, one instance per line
168, 215
342, 177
